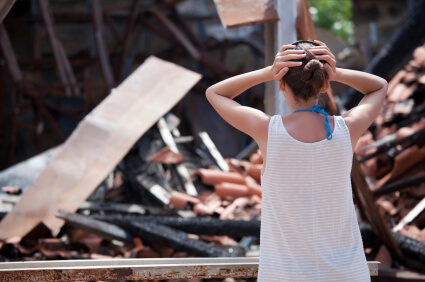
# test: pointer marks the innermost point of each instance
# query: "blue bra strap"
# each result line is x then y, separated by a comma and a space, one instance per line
317, 109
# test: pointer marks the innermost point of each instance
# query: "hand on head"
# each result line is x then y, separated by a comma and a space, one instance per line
287, 55
283, 61
325, 55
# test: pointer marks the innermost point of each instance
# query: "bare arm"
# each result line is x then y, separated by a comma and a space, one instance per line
359, 118
246, 119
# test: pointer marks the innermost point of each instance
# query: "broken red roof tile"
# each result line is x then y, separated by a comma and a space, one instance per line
92, 242
396, 80
419, 56
255, 171
147, 252
179, 200
201, 209
53, 248
255, 199
387, 206
253, 187
402, 163
231, 190
212, 177
238, 203
256, 158
100, 256
166, 156
13, 190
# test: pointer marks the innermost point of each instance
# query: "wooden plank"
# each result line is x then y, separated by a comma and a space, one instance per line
5, 6
241, 13
137, 269
99, 142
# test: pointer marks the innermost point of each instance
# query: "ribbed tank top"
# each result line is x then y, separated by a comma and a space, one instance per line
309, 228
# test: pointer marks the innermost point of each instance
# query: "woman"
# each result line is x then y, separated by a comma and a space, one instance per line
309, 229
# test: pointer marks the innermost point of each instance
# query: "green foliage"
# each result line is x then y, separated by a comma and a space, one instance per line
335, 16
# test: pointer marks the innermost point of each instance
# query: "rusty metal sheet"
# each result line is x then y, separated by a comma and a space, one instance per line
99, 142
241, 13
136, 269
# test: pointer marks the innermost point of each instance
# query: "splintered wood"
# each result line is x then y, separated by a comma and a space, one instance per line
100, 141
241, 13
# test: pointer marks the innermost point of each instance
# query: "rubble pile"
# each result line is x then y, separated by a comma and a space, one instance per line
392, 154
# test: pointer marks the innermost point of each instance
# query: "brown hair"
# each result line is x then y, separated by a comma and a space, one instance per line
306, 80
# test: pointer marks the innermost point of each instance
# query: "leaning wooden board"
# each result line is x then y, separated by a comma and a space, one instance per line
99, 142
241, 13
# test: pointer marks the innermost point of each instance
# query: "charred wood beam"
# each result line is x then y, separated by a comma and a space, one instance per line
399, 185
410, 36
9, 55
195, 225
66, 73
101, 228
413, 250
166, 236
100, 43
134, 11
417, 138
109, 207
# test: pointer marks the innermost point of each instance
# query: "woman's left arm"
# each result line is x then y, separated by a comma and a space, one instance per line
249, 120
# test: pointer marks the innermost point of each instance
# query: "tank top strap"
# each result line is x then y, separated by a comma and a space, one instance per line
342, 129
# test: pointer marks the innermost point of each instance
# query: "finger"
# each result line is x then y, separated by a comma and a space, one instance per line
290, 57
287, 52
289, 64
319, 42
329, 70
322, 52
328, 60
284, 47
281, 73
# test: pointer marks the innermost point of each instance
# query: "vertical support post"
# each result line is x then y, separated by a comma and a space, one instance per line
100, 43
278, 34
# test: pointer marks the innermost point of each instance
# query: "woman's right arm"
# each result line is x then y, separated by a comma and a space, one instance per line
359, 118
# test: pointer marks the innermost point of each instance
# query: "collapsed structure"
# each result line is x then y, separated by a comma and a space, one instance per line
127, 184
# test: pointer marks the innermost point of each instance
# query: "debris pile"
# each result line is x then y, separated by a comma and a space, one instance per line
392, 153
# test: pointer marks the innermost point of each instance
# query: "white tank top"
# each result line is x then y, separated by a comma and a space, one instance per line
309, 229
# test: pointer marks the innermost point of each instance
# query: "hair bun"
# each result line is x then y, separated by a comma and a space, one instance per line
313, 73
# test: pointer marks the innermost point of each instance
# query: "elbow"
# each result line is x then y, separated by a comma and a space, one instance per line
208, 93
384, 84
384, 87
